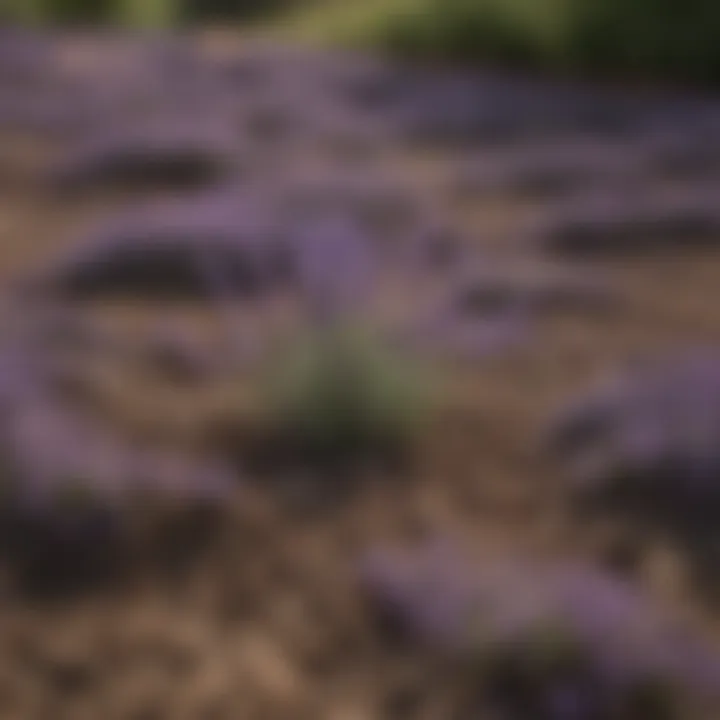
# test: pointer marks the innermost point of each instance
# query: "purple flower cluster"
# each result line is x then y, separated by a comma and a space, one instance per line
654, 428
164, 250
171, 153
70, 486
551, 641
610, 224
335, 266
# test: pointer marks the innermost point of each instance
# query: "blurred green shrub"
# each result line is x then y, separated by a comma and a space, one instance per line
343, 398
469, 29
138, 13
145, 13
199, 10
662, 38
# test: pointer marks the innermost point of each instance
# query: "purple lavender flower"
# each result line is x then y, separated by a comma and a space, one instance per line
160, 250
654, 429
25, 56
675, 152
490, 285
168, 153
335, 267
552, 641
551, 170
612, 224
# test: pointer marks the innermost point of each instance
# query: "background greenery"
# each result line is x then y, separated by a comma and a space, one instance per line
666, 38
661, 38
138, 12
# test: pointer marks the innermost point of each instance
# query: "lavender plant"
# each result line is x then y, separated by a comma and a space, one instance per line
163, 250
335, 267
70, 488
168, 154
610, 224
644, 447
651, 431
549, 641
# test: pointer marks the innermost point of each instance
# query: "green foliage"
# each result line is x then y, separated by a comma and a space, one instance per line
344, 397
661, 38
25, 11
147, 13
232, 9
470, 29
136, 13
